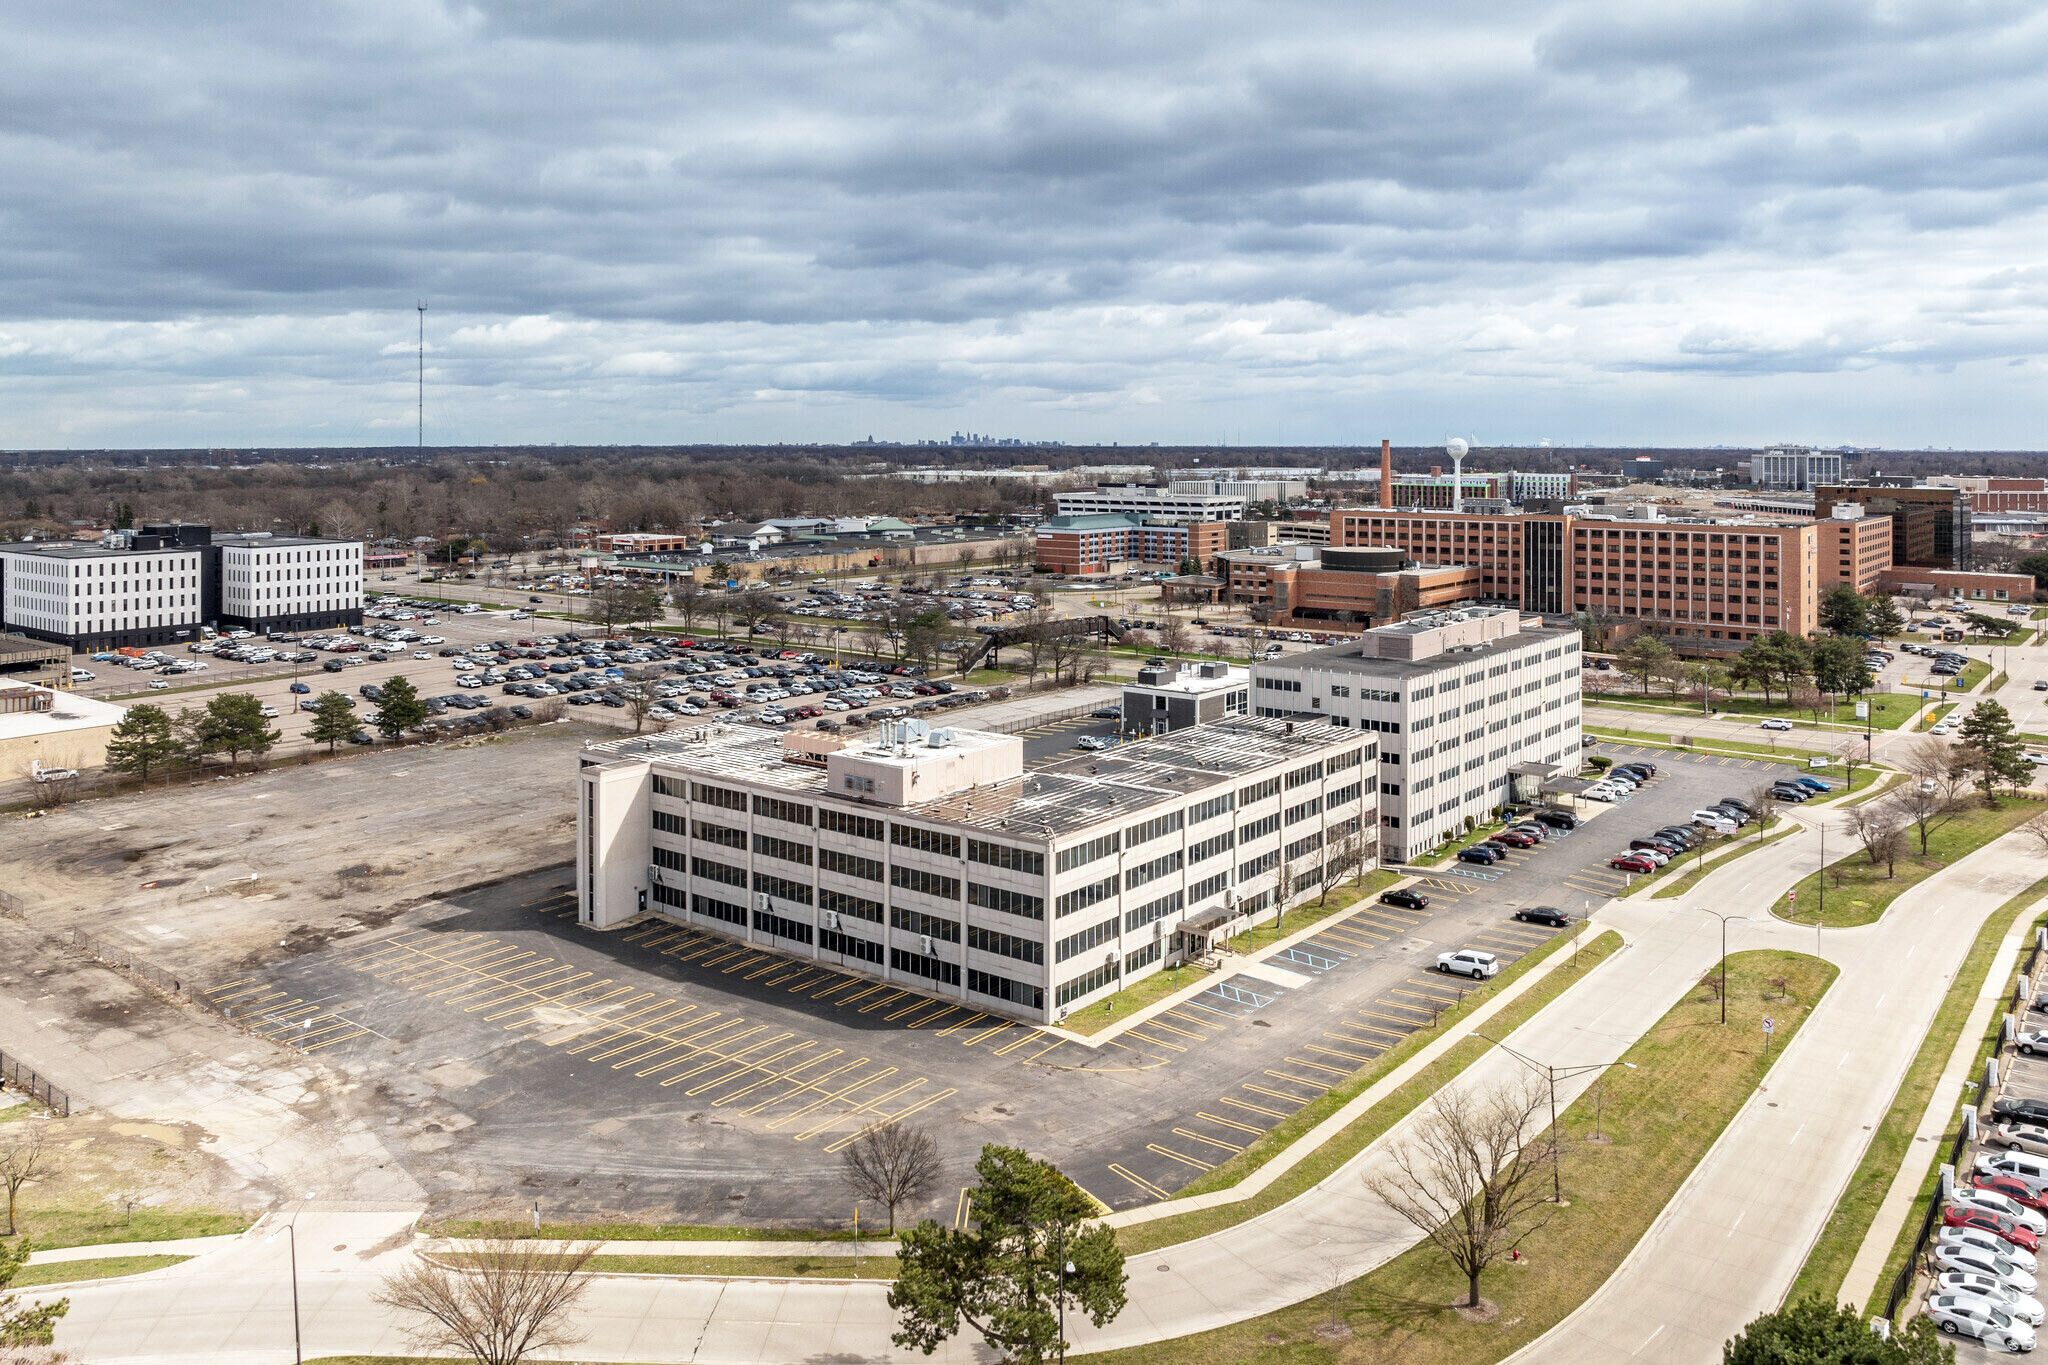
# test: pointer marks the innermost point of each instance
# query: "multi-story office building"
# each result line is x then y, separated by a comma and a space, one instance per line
1102, 542
938, 861
1151, 503
1708, 582
1360, 586
159, 585
1246, 490
276, 583
91, 597
1466, 705
1797, 467
1930, 525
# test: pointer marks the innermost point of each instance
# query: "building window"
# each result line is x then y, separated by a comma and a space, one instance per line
1086, 985
1209, 848
1002, 988
1159, 867
1159, 909
859, 826
1083, 897
1144, 957
925, 840
858, 907
768, 922
786, 849
1080, 855
718, 872
1008, 902
846, 945
712, 908
1025, 860
931, 968
1257, 792
930, 926
1312, 806
848, 864
1209, 886
782, 888
1210, 809
1094, 936
1258, 829
1007, 945
719, 834
718, 796
776, 809
925, 883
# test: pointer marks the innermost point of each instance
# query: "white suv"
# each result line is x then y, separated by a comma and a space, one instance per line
1468, 962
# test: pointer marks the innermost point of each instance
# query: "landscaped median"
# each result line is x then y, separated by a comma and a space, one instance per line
1827, 1265
1859, 892
1317, 1164
1655, 1123
102, 1268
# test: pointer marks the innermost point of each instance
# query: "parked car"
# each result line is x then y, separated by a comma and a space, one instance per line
1513, 839
1993, 1202
1969, 1316
1949, 1256
1544, 914
1988, 1241
1715, 821
1468, 962
1812, 784
1556, 819
1632, 862
1483, 854
2021, 1110
1789, 793
1406, 899
2020, 1137
2025, 1307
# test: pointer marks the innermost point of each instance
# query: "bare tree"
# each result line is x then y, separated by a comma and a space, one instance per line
638, 690
1764, 804
1471, 1175
1881, 828
1343, 855
1933, 793
22, 1160
506, 1299
2036, 832
690, 600
892, 1165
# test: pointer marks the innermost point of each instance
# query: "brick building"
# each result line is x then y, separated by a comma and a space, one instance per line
1105, 542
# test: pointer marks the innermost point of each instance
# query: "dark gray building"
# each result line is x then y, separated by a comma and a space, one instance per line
1170, 696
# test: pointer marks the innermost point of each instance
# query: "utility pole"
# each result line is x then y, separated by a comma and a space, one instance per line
1724, 953
423, 377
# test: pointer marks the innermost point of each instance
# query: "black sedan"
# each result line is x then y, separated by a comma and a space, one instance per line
1406, 899
2019, 1110
1544, 914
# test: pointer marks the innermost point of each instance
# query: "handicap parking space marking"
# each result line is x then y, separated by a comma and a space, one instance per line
1247, 997
1315, 962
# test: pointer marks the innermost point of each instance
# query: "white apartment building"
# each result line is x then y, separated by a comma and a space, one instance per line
289, 582
936, 860
1247, 490
92, 597
1464, 703
1151, 501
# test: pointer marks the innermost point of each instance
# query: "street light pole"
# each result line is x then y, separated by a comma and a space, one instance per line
1551, 1074
1724, 953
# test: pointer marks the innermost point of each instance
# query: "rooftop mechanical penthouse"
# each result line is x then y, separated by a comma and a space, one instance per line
936, 859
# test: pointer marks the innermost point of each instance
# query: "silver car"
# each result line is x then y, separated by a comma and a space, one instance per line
1974, 1260
1969, 1316
2025, 1307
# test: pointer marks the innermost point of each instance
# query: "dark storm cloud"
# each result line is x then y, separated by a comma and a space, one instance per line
727, 188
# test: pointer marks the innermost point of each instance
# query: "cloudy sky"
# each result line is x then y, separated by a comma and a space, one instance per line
654, 220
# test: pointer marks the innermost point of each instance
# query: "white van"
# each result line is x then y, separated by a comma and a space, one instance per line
83, 675
2031, 1171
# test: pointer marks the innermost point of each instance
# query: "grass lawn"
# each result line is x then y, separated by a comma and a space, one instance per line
1657, 1121
1828, 1263
1740, 748
1686, 880
1888, 710
1976, 671
1444, 851
73, 1272
643, 1232
1934, 717
1857, 892
1367, 1127
103, 1224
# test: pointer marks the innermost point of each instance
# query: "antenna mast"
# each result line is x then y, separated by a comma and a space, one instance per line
423, 377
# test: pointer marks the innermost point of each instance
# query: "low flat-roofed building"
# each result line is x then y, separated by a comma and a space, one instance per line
41, 662
39, 725
937, 860
1170, 695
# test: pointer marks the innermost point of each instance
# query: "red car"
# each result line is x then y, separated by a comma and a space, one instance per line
1630, 863
1956, 1216
1513, 840
2016, 1190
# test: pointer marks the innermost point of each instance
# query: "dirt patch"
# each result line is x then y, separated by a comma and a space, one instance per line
1487, 1311
108, 1164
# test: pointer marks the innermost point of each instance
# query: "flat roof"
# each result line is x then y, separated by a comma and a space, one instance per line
1192, 682
68, 712
22, 646
257, 541
1345, 658
75, 550
1056, 798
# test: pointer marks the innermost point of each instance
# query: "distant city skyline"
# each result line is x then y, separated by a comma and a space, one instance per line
1299, 223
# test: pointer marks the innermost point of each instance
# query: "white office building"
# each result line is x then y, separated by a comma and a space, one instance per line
1247, 490
273, 583
1150, 501
1800, 468
937, 861
94, 597
1468, 706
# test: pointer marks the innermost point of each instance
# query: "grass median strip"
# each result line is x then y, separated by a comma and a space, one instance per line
1859, 892
1711, 745
1685, 882
880, 1266
1655, 1124
1382, 1116
1828, 1263
643, 1232
74, 1272
105, 1224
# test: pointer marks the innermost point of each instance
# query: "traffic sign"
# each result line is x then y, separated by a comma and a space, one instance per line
1770, 1025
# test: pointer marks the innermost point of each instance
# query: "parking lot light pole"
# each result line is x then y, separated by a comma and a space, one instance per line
1724, 953
1551, 1074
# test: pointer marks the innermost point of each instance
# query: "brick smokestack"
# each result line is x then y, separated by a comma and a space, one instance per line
1386, 473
